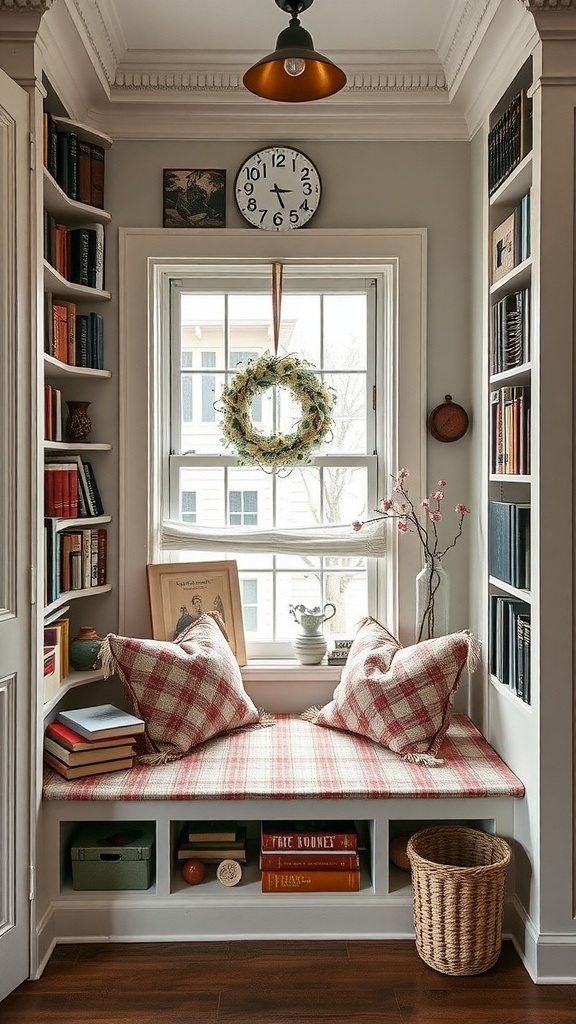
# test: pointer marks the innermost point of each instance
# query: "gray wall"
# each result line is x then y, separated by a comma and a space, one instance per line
372, 185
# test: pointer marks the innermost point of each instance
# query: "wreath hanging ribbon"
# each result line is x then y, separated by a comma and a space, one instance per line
276, 451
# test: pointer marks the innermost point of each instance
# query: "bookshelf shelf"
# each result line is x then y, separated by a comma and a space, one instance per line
507, 588
76, 446
518, 277
62, 206
59, 286
516, 185
56, 370
69, 683
66, 524
516, 375
75, 595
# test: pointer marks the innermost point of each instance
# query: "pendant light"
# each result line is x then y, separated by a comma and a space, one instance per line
295, 72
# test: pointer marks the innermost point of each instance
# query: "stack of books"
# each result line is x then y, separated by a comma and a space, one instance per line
339, 652
309, 856
91, 741
212, 841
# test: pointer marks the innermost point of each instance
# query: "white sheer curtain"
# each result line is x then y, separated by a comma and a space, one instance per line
369, 542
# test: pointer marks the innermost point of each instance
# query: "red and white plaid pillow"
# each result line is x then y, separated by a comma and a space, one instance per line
186, 691
398, 696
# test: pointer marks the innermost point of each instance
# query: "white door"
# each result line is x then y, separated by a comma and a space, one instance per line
16, 412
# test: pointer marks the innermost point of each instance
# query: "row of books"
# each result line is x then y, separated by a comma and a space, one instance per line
74, 338
510, 430
510, 333
510, 644
76, 164
509, 543
295, 856
77, 254
70, 488
509, 140
91, 741
74, 560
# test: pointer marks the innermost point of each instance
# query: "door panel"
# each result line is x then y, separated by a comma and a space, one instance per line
16, 405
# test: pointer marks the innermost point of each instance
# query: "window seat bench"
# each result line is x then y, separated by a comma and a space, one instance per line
291, 770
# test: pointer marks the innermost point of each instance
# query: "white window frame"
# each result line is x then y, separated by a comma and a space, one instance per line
148, 255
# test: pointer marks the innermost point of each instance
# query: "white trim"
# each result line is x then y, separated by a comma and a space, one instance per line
146, 252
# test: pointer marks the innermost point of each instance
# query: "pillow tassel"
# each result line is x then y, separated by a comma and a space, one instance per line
106, 657
428, 759
474, 650
311, 714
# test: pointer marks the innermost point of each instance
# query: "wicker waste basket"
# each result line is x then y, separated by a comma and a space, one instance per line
458, 879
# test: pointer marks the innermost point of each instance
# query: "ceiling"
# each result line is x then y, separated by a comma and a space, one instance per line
174, 67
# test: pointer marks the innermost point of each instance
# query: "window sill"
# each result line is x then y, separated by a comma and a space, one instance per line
288, 687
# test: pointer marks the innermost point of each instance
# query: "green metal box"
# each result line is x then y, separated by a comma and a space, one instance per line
113, 855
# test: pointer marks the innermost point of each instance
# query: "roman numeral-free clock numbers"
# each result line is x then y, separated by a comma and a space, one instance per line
277, 189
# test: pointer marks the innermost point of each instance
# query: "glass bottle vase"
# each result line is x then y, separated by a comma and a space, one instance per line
432, 600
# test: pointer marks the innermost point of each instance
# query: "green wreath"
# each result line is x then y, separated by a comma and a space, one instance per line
276, 450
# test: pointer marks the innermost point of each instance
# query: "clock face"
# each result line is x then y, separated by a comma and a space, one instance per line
277, 189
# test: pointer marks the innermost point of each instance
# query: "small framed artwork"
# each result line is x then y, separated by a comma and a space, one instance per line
504, 248
194, 198
180, 592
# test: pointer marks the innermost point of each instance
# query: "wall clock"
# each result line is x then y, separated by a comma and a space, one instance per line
448, 421
277, 189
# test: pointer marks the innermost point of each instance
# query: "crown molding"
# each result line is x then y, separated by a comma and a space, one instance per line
535, 6
26, 6
361, 122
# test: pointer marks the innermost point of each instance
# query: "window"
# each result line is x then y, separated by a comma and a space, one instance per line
331, 324
243, 508
158, 448
188, 507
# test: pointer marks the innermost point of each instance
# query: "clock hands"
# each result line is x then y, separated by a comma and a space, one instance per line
278, 190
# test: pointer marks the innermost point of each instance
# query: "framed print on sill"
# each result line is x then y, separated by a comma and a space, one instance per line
180, 592
194, 198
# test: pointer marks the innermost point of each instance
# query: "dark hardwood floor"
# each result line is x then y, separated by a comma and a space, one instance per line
277, 983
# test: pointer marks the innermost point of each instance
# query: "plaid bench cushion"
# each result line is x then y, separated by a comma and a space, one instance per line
296, 760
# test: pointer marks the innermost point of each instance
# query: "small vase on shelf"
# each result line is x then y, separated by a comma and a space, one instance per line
432, 600
84, 649
78, 422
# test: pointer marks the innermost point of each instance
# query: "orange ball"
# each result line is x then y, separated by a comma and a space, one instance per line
193, 871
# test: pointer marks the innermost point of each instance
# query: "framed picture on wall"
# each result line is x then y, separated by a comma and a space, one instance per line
194, 198
180, 592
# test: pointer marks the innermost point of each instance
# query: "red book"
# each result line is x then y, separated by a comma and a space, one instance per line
310, 881
74, 741
309, 861
309, 835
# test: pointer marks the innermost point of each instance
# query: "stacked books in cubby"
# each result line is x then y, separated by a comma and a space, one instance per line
91, 741
309, 856
212, 841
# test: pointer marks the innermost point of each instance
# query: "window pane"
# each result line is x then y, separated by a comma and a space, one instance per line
203, 325
345, 337
349, 413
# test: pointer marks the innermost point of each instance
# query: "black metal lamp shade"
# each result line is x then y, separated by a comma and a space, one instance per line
295, 72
